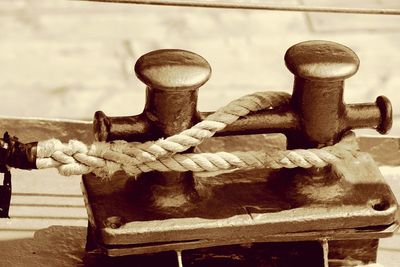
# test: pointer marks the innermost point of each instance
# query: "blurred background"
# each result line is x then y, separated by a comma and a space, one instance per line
68, 59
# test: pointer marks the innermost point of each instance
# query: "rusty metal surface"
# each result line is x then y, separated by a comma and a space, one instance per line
237, 207
173, 78
320, 68
339, 234
316, 116
240, 206
283, 254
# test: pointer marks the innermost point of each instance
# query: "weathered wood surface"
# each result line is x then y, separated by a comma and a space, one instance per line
384, 150
35, 129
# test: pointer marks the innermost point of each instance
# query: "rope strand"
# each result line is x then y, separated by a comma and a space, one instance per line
104, 159
215, 122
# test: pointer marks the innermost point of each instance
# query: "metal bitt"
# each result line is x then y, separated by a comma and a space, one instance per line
316, 116
320, 68
172, 78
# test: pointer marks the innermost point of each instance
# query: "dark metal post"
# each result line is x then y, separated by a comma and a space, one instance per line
172, 78
320, 68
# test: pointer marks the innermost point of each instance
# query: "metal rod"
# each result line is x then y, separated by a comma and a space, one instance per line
257, 6
325, 251
179, 258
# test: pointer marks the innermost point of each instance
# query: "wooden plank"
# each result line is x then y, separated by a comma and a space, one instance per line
45, 212
20, 224
8, 235
45, 182
18, 228
384, 150
43, 200
42, 129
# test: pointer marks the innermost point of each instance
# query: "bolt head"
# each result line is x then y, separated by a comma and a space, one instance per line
114, 222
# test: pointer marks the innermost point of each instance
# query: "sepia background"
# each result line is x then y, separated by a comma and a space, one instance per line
68, 59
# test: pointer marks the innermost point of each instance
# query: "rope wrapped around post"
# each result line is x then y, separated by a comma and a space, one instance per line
104, 159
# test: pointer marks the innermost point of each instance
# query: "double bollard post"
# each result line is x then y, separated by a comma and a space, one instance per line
316, 116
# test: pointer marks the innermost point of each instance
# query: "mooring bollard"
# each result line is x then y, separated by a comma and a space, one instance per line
173, 78
320, 68
333, 192
315, 117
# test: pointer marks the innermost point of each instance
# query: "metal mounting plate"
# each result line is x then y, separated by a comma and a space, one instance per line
245, 206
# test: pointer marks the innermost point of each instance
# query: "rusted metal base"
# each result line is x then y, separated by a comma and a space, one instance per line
245, 207
354, 248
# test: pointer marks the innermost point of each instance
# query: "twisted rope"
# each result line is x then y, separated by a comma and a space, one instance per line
104, 159
151, 151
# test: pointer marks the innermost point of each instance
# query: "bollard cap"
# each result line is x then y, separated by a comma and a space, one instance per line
172, 69
321, 60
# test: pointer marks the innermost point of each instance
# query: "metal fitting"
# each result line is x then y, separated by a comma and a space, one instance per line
173, 78
113, 222
315, 117
320, 68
